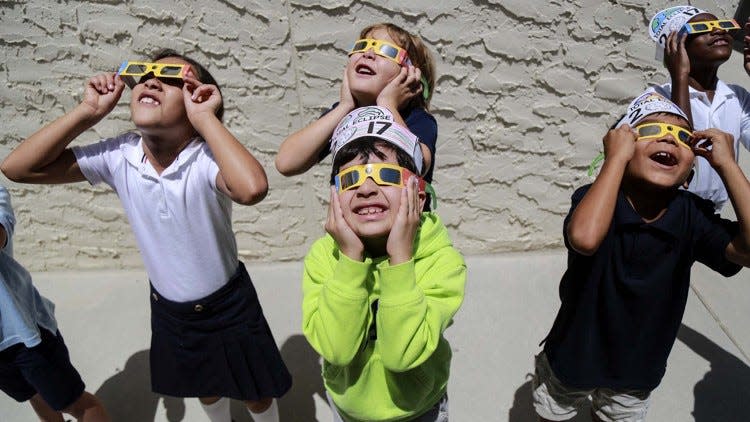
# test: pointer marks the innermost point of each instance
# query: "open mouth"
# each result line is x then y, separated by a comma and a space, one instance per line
148, 99
363, 69
369, 210
664, 158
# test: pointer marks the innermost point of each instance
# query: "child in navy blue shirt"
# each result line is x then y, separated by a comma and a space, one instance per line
632, 238
34, 361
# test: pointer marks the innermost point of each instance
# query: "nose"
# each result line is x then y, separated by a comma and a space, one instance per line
370, 53
153, 83
368, 188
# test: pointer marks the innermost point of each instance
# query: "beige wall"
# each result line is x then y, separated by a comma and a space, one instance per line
525, 91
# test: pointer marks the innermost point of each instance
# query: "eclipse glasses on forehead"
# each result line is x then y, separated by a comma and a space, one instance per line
389, 51
649, 131
133, 73
708, 26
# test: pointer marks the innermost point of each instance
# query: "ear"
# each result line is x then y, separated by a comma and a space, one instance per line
422, 197
689, 178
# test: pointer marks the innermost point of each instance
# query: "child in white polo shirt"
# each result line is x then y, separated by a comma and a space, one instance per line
694, 44
177, 179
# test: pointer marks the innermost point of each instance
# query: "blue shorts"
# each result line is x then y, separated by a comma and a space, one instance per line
44, 369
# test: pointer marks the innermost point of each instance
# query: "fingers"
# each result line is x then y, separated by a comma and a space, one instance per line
103, 83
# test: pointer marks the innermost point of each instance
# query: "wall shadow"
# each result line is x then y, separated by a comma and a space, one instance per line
307, 382
724, 392
127, 395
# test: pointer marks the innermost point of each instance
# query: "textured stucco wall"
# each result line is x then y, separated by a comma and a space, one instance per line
525, 91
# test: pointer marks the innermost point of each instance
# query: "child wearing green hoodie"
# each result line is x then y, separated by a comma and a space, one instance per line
384, 283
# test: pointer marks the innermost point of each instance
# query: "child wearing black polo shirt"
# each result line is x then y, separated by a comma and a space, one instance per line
632, 238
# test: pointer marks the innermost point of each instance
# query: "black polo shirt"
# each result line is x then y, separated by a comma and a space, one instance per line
621, 307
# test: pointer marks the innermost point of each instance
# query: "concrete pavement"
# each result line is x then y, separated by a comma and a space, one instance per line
511, 301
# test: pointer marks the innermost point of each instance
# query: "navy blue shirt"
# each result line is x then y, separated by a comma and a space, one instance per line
420, 122
622, 306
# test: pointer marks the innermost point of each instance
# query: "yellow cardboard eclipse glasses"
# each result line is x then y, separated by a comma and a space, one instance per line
650, 131
133, 73
384, 174
708, 26
389, 51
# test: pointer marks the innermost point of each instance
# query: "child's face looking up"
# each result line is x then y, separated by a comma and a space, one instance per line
713, 47
661, 162
156, 105
371, 209
369, 73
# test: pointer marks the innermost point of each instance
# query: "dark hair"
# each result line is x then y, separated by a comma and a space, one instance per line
366, 146
418, 54
201, 72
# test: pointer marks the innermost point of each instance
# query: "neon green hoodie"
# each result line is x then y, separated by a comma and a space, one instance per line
398, 367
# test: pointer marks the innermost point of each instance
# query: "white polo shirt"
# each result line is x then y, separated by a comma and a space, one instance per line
181, 221
729, 112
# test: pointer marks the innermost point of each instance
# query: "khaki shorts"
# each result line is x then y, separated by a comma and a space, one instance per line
556, 402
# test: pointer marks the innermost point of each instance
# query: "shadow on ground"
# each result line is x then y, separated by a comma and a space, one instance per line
724, 392
127, 395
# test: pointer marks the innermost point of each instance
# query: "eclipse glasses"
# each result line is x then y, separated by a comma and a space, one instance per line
649, 131
708, 26
133, 73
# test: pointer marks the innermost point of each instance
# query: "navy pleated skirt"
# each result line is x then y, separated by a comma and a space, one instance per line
219, 345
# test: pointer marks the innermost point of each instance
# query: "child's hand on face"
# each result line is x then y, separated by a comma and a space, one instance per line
346, 99
349, 243
405, 86
619, 143
400, 245
200, 99
715, 146
676, 56
102, 93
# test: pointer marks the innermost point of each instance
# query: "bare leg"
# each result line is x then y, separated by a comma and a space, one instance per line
88, 409
43, 411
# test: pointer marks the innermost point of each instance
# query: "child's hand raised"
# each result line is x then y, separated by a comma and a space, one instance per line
715, 146
619, 143
349, 243
346, 99
676, 56
405, 86
201, 99
400, 245
102, 93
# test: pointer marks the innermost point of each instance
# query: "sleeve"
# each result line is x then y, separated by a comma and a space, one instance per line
712, 235
424, 125
575, 199
96, 161
7, 218
209, 167
744, 98
335, 309
413, 314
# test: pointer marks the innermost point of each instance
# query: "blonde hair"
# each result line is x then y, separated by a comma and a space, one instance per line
418, 54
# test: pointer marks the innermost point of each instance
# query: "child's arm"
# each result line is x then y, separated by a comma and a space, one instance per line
678, 64
300, 150
721, 157
592, 217
415, 309
241, 176
402, 89
44, 157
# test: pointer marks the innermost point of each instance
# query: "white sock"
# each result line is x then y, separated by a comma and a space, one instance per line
270, 415
219, 411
